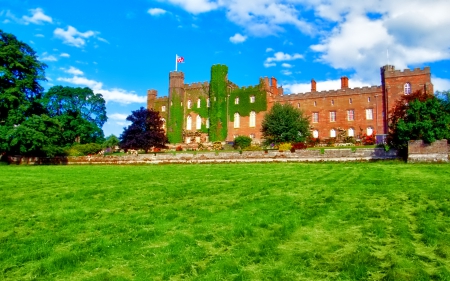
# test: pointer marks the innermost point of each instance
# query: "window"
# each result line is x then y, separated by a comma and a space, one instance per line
315, 103
332, 133
368, 99
350, 115
407, 89
369, 114
163, 108
171, 103
252, 119
208, 103
350, 101
198, 122
298, 105
198, 103
369, 131
236, 100
163, 123
332, 102
252, 99
237, 121
351, 132
332, 116
189, 123
189, 104
252, 136
197, 139
315, 117
315, 134
207, 123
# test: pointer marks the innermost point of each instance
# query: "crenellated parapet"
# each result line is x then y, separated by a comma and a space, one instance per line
390, 72
333, 93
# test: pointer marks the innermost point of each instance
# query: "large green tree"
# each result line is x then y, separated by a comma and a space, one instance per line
20, 73
418, 116
284, 123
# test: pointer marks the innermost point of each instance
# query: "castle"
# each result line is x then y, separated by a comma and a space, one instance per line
220, 110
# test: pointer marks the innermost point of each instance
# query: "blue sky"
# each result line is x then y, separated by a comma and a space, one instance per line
122, 48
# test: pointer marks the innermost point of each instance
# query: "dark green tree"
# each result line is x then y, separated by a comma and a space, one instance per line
20, 73
418, 116
242, 142
284, 123
144, 132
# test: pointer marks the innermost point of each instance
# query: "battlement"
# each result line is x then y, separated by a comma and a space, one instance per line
196, 85
390, 72
334, 93
162, 99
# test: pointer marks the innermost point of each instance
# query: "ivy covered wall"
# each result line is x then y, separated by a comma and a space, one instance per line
175, 122
244, 107
218, 109
194, 94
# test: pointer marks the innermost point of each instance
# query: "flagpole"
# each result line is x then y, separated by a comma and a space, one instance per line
176, 63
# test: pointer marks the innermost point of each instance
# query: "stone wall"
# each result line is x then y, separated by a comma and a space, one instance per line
418, 151
362, 154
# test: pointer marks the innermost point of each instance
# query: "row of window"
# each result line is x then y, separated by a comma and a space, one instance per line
252, 100
189, 104
350, 115
350, 132
198, 123
252, 120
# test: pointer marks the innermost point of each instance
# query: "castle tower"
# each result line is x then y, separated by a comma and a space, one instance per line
218, 94
175, 124
151, 98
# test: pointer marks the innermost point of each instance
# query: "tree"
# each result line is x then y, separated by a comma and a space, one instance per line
20, 73
144, 132
418, 116
284, 123
80, 112
111, 141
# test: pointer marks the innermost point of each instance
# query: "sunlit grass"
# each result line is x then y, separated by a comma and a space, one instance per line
347, 221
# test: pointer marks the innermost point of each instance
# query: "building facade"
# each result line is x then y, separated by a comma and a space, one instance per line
219, 110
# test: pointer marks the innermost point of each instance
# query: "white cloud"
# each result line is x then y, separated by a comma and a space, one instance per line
39, 35
280, 56
73, 37
47, 57
38, 17
440, 84
237, 38
196, 6
267, 64
286, 72
269, 50
102, 39
156, 11
287, 65
64, 55
118, 116
73, 70
110, 95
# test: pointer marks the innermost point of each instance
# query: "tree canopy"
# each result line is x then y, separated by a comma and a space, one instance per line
418, 116
144, 132
284, 123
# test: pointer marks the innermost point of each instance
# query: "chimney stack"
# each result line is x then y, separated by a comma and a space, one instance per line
313, 85
344, 82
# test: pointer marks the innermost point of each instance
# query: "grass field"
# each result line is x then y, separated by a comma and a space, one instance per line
324, 221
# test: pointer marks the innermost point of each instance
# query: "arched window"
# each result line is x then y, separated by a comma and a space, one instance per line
207, 123
351, 132
189, 123
332, 102
237, 121
332, 133
252, 119
407, 88
315, 103
350, 101
198, 123
315, 134
163, 123
163, 108
252, 99
369, 131
208, 102
189, 104
236, 100
198, 103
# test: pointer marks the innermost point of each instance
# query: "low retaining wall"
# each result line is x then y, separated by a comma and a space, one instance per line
362, 154
418, 151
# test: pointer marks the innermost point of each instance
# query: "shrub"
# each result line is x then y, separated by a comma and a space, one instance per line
311, 142
285, 146
252, 148
369, 140
179, 148
84, 149
242, 142
349, 140
299, 145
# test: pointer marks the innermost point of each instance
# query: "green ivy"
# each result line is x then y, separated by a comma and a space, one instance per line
218, 96
244, 107
175, 123
194, 95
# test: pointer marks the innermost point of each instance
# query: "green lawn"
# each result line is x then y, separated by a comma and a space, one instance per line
299, 221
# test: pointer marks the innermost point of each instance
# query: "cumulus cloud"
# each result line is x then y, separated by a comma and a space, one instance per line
287, 65
73, 70
73, 37
269, 50
47, 57
110, 95
156, 11
64, 55
279, 57
440, 84
196, 6
237, 38
38, 17
296, 88
286, 72
118, 116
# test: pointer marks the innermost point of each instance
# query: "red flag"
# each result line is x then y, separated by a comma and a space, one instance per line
180, 59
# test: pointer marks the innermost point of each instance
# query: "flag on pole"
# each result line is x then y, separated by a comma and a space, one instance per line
178, 60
